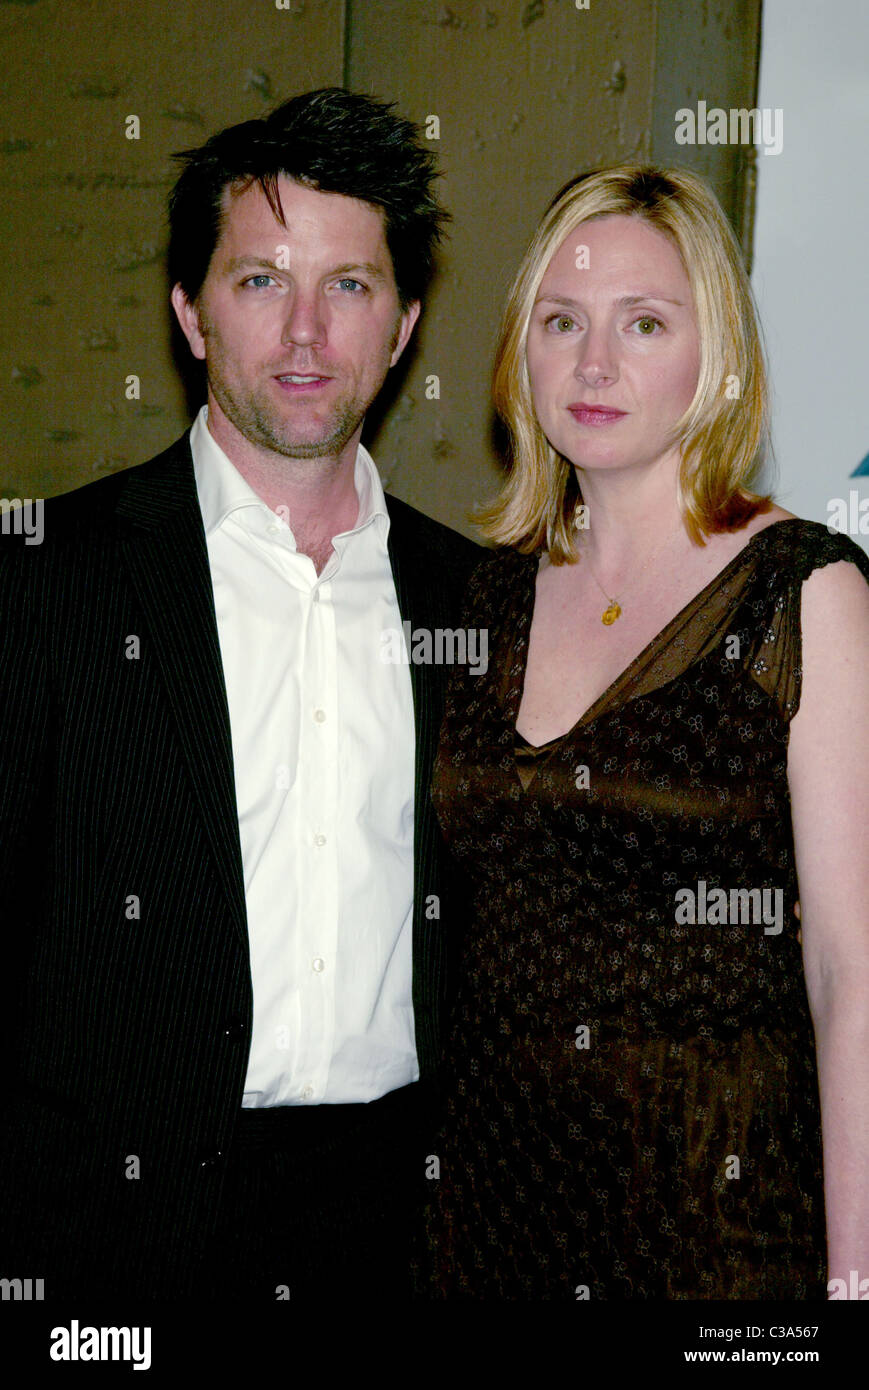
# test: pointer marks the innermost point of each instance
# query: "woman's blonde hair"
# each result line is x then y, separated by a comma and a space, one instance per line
723, 433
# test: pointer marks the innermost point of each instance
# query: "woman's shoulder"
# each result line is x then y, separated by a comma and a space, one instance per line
500, 581
778, 539
502, 566
769, 569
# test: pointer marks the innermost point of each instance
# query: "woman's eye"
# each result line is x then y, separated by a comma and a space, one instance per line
560, 323
647, 326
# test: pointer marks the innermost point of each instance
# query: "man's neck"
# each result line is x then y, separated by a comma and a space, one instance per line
316, 497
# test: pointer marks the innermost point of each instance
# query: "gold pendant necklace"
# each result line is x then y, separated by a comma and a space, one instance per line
613, 610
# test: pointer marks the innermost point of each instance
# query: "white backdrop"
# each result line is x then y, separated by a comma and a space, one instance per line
811, 268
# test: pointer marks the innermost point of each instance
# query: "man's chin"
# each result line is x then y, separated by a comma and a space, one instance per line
300, 438
307, 449
315, 439
307, 445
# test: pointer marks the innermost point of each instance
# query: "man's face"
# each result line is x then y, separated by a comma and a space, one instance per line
298, 325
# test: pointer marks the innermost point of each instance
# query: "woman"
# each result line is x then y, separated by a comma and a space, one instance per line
668, 748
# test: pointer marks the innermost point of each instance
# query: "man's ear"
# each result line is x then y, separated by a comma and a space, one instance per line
405, 328
188, 317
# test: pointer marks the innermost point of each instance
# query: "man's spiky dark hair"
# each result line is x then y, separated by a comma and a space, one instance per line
332, 140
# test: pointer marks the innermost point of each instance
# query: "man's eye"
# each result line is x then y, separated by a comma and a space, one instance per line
354, 286
259, 282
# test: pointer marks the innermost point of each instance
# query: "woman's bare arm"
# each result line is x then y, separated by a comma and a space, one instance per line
828, 773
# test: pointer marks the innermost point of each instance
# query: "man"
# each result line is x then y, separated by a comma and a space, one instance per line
224, 886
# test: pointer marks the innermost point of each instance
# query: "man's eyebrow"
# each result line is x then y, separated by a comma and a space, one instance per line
244, 262
626, 301
368, 268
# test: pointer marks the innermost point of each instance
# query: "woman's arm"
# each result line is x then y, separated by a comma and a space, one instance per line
828, 773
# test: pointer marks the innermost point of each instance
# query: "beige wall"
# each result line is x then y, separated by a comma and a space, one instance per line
527, 94
83, 296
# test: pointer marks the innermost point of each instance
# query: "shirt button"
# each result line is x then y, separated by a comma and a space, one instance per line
273, 528
319, 840
318, 964
319, 715
307, 1093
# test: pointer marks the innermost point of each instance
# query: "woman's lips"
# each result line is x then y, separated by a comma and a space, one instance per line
595, 414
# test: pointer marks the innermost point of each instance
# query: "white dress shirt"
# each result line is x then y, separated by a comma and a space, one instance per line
323, 747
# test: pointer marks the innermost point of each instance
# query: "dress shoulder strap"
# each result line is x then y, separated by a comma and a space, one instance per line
784, 556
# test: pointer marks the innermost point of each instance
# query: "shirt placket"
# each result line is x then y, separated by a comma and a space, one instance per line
318, 832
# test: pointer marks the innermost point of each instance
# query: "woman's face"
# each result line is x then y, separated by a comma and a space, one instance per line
613, 349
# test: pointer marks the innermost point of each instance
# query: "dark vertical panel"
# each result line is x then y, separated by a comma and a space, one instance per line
527, 94
708, 51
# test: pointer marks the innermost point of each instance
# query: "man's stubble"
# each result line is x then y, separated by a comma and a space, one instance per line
260, 421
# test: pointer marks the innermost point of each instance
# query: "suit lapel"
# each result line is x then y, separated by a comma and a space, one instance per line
167, 557
421, 602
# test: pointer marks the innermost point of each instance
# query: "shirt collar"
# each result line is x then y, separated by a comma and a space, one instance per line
222, 490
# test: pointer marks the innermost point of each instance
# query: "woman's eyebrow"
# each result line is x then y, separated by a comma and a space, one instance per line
626, 301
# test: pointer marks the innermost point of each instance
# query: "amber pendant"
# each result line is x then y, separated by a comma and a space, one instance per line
610, 614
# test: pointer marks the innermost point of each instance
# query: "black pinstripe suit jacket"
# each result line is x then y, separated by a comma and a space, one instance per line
129, 1035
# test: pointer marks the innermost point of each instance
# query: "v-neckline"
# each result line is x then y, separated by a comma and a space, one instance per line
589, 715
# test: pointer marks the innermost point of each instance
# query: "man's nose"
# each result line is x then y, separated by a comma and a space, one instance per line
305, 319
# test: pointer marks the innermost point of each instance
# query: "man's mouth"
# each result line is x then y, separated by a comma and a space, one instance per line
301, 381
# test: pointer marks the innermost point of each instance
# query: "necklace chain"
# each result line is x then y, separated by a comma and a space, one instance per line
614, 609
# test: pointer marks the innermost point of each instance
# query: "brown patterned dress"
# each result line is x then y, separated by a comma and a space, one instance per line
633, 1099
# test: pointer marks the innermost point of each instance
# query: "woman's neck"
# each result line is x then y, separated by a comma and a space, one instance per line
630, 512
